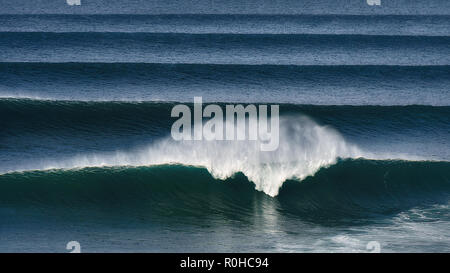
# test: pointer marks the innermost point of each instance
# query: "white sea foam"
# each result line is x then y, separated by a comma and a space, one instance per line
304, 148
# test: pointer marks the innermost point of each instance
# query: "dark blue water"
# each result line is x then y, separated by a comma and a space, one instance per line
86, 154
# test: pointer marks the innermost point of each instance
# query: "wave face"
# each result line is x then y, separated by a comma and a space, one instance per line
348, 189
349, 197
305, 145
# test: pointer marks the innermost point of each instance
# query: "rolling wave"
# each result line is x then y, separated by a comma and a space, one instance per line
42, 134
348, 189
303, 148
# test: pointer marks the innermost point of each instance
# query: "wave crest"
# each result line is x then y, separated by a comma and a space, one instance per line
304, 148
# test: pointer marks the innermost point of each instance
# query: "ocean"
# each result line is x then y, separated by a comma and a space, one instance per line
86, 152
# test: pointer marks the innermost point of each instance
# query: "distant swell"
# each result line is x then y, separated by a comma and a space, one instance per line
300, 84
230, 23
116, 116
300, 49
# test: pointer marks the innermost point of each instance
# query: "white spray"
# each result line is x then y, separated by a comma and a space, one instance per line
304, 148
